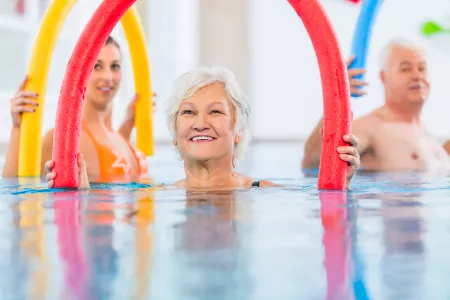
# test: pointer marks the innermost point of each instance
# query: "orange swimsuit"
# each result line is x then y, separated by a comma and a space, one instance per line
114, 166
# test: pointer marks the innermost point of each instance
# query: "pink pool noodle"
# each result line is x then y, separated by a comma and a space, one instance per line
336, 241
70, 242
335, 89
66, 140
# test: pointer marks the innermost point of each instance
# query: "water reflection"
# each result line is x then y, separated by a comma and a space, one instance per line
32, 244
402, 240
373, 243
209, 244
344, 262
402, 233
144, 218
102, 254
336, 242
209, 221
403, 263
94, 260
70, 243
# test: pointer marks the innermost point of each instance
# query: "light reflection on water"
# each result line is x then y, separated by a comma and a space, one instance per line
384, 240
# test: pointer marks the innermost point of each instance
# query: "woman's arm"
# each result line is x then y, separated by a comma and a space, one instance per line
22, 101
47, 149
127, 126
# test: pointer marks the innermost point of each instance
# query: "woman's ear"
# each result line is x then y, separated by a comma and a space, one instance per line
238, 137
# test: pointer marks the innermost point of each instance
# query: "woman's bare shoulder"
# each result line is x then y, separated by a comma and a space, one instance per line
266, 183
248, 181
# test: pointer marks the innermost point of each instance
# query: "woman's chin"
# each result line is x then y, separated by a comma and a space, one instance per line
199, 159
102, 102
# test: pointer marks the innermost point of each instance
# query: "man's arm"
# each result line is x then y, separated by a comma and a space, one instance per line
361, 128
313, 147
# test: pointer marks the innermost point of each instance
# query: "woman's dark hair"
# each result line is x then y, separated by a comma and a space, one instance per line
112, 41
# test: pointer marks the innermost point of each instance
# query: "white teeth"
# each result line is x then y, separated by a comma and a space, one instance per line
203, 137
105, 88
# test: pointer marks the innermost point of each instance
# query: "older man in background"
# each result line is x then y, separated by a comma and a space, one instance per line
392, 137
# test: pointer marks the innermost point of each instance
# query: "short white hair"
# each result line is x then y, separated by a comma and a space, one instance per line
386, 52
190, 82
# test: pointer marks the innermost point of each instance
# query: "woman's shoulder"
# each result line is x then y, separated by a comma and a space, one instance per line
265, 183
250, 182
244, 180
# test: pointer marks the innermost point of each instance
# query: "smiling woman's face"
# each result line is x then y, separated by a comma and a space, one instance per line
204, 127
105, 78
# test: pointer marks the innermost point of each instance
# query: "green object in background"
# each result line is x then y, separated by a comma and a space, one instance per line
431, 27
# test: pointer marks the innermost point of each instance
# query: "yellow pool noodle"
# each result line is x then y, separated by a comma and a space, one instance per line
134, 34
30, 149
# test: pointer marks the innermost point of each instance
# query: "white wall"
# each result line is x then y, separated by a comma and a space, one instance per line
173, 37
224, 36
285, 82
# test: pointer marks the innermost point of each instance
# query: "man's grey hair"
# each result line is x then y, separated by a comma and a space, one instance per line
386, 52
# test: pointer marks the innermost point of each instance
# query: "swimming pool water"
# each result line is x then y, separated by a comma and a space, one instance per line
387, 239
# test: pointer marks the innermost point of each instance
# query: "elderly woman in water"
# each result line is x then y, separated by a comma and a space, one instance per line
208, 119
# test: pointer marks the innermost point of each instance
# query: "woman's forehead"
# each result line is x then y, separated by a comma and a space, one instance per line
210, 93
110, 52
207, 100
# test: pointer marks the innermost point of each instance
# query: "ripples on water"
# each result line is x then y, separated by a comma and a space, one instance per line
384, 240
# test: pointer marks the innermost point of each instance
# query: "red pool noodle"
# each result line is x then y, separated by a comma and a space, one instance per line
66, 139
70, 241
335, 89
336, 241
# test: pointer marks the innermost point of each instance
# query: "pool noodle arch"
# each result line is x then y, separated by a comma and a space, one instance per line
335, 89
30, 149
